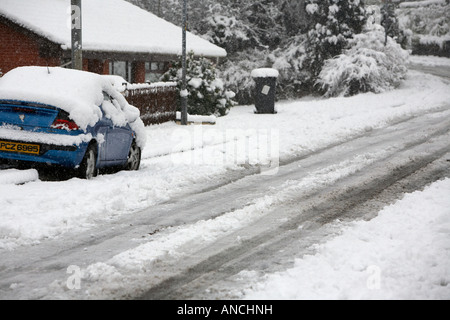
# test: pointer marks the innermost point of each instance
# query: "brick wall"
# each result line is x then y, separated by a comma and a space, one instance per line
19, 47
138, 72
96, 66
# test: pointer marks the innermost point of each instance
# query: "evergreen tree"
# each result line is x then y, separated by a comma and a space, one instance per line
207, 92
264, 17
294, 16
223, 25
390, 22
331, 24
230, 24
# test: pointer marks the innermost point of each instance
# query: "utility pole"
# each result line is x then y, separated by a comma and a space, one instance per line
184, 93
77, 39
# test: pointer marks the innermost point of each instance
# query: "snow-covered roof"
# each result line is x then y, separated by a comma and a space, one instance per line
108, 26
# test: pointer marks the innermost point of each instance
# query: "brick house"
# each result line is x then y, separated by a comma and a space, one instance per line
118, 38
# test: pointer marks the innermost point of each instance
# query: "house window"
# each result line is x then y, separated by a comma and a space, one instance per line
121, 68
154, 70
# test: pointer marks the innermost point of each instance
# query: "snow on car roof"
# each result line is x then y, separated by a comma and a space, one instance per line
79, 93
108, 25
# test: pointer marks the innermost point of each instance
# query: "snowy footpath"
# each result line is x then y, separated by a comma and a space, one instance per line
407, 245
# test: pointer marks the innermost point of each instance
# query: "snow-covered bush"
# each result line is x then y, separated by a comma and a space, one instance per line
289, 60
367, 66
379, 15
331, 24
207, 93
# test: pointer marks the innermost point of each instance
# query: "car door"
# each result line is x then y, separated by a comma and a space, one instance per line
118, 134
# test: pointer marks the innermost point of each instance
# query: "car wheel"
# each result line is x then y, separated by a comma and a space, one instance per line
134, 158
88, 167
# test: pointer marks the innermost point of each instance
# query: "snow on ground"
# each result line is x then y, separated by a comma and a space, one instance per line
38, 210
127, 273
403, 253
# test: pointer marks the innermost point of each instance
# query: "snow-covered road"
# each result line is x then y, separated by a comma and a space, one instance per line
299, 206
193, 224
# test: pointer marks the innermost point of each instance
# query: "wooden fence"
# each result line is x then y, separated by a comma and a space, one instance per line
157, 102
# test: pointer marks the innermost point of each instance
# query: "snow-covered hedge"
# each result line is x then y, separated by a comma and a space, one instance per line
367, 66
427, 22
207, 94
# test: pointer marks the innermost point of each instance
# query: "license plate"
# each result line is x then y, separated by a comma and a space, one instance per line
19, 147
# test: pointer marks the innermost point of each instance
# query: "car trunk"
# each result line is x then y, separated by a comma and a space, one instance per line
27, 116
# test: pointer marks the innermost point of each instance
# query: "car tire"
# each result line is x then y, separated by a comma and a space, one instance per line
134, 158
88, 167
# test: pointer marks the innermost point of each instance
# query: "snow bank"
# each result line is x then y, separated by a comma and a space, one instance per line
403, 253
418, 4
265, 73
13, 176
198, 119
77, 92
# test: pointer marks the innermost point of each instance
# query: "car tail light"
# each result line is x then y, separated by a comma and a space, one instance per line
63, 122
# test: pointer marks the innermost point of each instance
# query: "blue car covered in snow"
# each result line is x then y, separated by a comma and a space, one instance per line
67, 119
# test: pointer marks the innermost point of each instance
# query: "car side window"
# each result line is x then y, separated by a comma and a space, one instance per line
111, 110
107, 97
